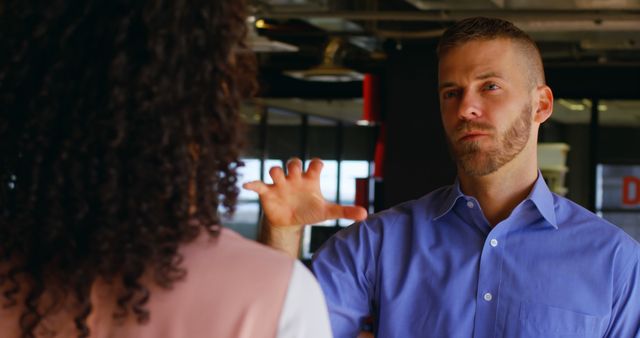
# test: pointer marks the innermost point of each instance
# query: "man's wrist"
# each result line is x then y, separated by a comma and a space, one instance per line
283, 238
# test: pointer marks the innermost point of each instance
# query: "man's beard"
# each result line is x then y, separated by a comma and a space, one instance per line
475, 161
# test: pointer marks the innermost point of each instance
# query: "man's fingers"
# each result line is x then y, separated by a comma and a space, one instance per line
257, 186
355, 213
277, 175
294, 168
315, 168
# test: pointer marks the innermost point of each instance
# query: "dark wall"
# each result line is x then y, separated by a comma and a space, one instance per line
417, 160
594, 81
284, 142
578, 179
619, 145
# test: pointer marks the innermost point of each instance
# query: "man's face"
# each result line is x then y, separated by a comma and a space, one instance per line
485, 103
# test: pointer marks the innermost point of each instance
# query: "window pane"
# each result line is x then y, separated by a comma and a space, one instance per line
245, 219
250, 172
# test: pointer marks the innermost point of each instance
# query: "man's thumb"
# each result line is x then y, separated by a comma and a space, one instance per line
355, 213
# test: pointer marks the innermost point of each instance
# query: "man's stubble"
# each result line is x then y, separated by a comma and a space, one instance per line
475, 161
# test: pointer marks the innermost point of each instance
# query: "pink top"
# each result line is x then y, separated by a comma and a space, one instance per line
234, 288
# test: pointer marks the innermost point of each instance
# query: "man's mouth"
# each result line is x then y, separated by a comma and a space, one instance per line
472, 136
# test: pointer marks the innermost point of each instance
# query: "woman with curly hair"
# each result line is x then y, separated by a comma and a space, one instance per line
120, 138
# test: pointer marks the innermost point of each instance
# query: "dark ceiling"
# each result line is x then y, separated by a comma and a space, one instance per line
568, 32
591, 48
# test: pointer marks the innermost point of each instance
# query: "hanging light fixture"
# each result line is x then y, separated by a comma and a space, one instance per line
330, 69
261, 44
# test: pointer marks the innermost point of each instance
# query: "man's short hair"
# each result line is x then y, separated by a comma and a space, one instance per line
482, 28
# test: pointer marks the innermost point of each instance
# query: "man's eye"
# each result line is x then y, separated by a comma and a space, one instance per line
450, 94
491, 86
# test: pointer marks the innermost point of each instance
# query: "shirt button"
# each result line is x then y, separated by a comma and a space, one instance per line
470, 204
488, 297
494, 242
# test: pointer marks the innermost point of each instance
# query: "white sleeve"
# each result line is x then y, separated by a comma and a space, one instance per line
304, 314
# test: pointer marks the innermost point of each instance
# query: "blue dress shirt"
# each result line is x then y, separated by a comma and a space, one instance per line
434, 267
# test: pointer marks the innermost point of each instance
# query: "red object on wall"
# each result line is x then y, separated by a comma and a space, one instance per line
372, 114
378, 157
628, 185
371, 98
362, 192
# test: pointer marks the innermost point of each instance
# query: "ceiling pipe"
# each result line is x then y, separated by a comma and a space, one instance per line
453, 15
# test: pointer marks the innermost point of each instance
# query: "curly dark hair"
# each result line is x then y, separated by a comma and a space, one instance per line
120, 139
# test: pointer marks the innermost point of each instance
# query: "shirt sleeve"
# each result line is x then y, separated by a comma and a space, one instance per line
344, 266
625, 318
304, 313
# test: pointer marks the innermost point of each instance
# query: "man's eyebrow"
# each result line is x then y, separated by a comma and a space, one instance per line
488, 75
446, 85
482, 76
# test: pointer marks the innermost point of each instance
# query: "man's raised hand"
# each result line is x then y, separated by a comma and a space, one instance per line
294, 200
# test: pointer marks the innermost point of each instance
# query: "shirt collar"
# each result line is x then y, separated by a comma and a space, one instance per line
452, 195
543, 199
540, 195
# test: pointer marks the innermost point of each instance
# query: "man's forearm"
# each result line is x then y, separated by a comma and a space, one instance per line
286, 239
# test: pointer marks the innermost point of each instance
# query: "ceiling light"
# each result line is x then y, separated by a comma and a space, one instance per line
572, 105
261, 44
366, 123
330, 70
260, 23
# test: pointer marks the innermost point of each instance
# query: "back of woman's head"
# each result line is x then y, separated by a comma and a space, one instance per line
119, 140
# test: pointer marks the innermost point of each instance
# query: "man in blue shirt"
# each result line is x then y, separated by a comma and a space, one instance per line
494, 255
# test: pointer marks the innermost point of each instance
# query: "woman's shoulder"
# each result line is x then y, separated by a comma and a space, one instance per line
234, 262
230, 248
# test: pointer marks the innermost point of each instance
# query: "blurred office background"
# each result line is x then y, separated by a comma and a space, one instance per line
354, 83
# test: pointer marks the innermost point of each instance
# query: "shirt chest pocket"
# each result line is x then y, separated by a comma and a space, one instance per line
531, 320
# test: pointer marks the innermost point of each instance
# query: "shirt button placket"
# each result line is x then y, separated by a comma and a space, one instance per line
488, 281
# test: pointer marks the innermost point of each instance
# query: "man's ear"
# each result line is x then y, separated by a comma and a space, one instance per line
545, 104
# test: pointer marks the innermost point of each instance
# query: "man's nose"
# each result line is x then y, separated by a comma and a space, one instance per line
470, 107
